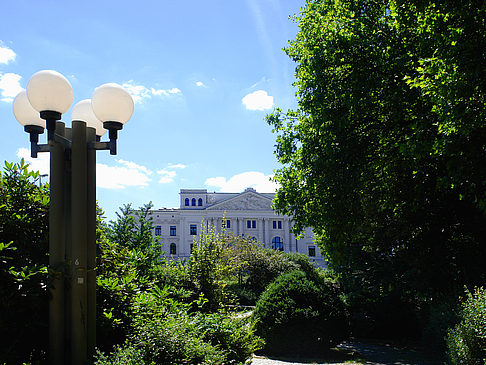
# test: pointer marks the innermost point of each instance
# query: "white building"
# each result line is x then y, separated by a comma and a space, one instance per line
246, 214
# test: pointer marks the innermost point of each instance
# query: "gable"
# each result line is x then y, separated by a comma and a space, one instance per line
245, 201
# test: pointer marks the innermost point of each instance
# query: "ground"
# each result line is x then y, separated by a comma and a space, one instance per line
363, 352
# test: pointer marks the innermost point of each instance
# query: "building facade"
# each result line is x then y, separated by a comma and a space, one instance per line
247, 214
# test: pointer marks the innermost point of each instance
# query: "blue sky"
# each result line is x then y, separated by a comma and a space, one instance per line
203, 75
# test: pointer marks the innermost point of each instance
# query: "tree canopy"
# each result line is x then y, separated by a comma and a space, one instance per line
385, 155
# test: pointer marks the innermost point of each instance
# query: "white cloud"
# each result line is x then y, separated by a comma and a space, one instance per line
9, 86
41, 163
238, 183
133, 165
200, 84
176, 166
6, 54
119, 177
140, 92
258, 100
167, 176
107, 177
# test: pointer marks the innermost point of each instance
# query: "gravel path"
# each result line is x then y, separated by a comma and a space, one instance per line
373, 353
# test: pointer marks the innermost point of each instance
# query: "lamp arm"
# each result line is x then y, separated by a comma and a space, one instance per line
103, 146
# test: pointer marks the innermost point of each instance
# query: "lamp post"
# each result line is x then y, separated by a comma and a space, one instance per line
72, 211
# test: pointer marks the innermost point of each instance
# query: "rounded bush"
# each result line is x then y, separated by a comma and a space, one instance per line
466, 342
296, 315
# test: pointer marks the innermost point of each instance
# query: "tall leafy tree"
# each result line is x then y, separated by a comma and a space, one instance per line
384, 156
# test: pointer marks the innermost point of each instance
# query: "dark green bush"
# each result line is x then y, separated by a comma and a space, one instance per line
259, 266
466, 342
296, 315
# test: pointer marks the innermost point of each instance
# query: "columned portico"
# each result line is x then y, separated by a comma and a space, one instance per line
250, 214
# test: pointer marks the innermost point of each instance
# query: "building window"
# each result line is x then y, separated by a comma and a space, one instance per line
186, 202
173, 231
173, 249
251, 224
193, 229
277, 243
199, 202
277, 224
158, 230
228, 223
312, 251
193, 202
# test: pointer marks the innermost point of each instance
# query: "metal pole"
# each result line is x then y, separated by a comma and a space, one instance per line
68, 248
91, 249
56, 250
79, 237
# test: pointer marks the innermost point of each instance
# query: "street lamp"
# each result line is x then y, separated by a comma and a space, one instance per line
72, 210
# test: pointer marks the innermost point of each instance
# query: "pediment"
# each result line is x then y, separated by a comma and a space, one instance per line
245, 201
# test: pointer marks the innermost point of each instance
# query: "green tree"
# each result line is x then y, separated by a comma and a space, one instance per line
24, 206
384, 156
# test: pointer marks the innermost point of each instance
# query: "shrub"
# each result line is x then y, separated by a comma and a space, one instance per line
129, 263
257, 267
210, 265
466, 342
295, 314
24, 278
164, 332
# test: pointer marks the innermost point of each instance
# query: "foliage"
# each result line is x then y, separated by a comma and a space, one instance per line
255, 267
296, 315
155, 311
164, 332
211, 264
23, 264
130, 262
384, 157
467, 341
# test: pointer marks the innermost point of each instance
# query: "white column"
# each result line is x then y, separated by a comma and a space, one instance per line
286, 237
240, 226
233, 226
260, 229
181, 248
291, 239
267, 232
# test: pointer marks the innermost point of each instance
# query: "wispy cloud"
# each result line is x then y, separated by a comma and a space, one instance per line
238, 183
168, 92
258, 100
133, 165
6, 54
168, 174
200, 84
140, 92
